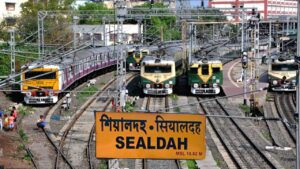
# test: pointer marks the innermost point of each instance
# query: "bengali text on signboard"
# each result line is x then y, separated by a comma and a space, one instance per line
150, 135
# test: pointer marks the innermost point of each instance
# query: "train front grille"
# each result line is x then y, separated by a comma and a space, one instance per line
40, 93
158, 86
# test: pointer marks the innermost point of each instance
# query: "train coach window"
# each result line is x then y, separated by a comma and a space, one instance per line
205, 70
216, 69
144, 53
158, 69
40, 75
284, 67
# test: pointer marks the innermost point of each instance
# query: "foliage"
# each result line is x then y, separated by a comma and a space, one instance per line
161, 26
27, 23
21, 58
174, 96
245, 108
129, 107
3, 31
20, 147
24, 110
86, 92
218, 161
23, 135
92, 6
149, 5
212, 18
103, 164
27, 157
191, 164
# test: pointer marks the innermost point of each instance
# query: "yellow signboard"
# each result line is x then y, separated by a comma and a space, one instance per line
150, 135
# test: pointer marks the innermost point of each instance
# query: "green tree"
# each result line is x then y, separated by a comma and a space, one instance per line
95, 8
28, 24
158, 26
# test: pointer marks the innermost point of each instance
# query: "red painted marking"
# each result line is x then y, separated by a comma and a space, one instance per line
235, 2
266, 9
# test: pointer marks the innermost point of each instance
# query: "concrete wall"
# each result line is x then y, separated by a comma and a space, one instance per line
267, 8
87, 31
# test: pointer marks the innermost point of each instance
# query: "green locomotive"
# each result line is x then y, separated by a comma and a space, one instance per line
205, 77
282, 74
134, 58
158, 74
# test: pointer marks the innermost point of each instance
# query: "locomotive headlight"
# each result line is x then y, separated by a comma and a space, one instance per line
275, 82
51, 93
130, 64
167, 85
147, 86
170, 82
196, 85
215, 85
28, 94
218, 81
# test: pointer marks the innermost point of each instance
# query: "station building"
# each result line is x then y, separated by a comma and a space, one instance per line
105, 35
268, 9
10, 8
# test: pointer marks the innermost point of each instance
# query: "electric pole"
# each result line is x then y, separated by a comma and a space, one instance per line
12, 45
75, 19
245, 64
120, 100
298, 87
254, 22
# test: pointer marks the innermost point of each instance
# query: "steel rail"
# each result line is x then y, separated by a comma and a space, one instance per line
93, 128
282, 113
256, 148
77, 117
234, 160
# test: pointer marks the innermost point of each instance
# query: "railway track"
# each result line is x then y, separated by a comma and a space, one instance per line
286, 109
280, 137
242, 150
79, 132
154, 104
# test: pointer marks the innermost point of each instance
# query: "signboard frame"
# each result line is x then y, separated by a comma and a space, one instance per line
150, 135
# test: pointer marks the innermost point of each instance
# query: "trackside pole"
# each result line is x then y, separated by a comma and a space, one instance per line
298, 85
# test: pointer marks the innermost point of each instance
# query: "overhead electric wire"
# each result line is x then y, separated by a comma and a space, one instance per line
39, 65
8, 53
49, 72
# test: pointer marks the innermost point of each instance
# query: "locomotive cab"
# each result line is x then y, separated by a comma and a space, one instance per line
205, 77
158, 75
134, 58
39, 85
282, 75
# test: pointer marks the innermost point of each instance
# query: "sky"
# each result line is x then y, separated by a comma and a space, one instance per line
195, 3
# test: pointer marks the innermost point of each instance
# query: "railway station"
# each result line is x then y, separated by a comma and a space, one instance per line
178, 84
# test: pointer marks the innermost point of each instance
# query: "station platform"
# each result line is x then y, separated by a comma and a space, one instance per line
233, 84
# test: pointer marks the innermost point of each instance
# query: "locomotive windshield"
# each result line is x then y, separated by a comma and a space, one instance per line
137, 55
284, 67
205, 70
130, 53
194, 70
158, 69
40, 75
216, 69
